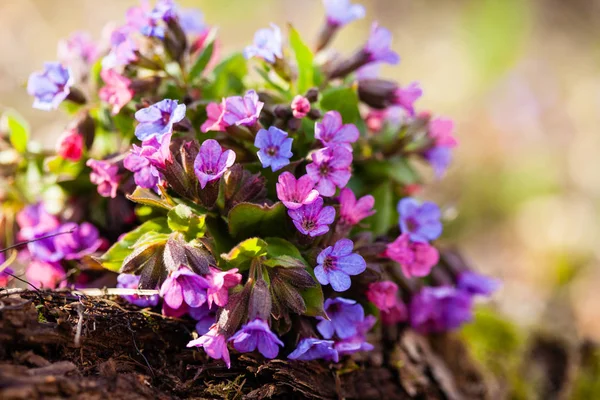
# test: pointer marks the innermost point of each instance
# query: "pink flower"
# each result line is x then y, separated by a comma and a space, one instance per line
332, 132
70, 145
47, 275
242, 111
441, 131
295, 193
353, 211
397, 313
214, 121
383, 294
116, 90
104, 175
219, 284
406, 97
415, 258
330, 168
300, 106
183, 286
214, 344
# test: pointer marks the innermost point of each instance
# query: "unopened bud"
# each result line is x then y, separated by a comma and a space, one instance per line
377, 93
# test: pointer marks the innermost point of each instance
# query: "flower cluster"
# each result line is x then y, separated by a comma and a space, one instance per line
272, 209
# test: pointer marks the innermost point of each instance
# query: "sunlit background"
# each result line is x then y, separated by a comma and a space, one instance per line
520, 78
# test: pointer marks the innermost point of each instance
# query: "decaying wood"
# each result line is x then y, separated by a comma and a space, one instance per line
123, 352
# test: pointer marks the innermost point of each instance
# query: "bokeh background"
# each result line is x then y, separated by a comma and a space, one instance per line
521, 78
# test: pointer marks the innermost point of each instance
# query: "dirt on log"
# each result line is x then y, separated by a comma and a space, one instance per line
55, 344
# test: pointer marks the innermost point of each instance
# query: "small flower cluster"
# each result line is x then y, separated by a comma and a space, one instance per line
275, 210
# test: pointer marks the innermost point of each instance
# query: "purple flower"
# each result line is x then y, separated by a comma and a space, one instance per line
163, 11
353, 211
50, 87
378, 46
47, 275
205, 317
440, 158
158, 119
184, 286
192, 21
332, 132
242, 111
341, 12
357, 342
45, 249
129, 281
143, 161
84, 240
5, 276
275, 148
406, 97
105, 175
344, 317
313, 349
436, 309
313, 219
336, 263
330, 168
219, 283
77, 47
295, 193
214, 344
123, 49
477, 284
421, 221
257, 334
267, 44
34, 221
212, 162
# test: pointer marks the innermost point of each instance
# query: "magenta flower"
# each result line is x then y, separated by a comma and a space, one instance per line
295, 193
219, 283
212, 162
129, 281
47, 275
257, 335
406, 97
415, 258
105, 175
420, 220
313, 349
300, 107
313, 219
158, 119
330, 168
123, 49
383, 295
342, 12
214, 344
337, 263
242, 111
395, 314
116, 90
378, 46
143, 161
184, 286
5, 276
344, 317
34, 221
353, 211
70, 145
214, 120
50, 87
267, 45
332, 132
275, 148
84, 240
441, 132
437, 309
477, 284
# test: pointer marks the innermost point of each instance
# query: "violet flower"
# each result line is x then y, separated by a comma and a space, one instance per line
158, 119
421, 221
300, 106
406, 97
184, 286
437, 309
84, 240
79, 46
130, 281
378, 49
295, 193
214, 344
313, 349
143, 161
214, 120
358, 341
47, 275
192, 21
34, 221
267, 45
242, 111
440, 158
256, 335
105, 175
50, 87
275, 148
342, 12
477, 284
219, 283
353, 211
337, 263
330, 168
205, 317
344, 316
5, 276
116, 90
212, 162
415, 258
313, 219
331, 131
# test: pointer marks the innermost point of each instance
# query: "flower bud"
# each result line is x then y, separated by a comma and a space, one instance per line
70, 145
260, 301
377, 93
300, 107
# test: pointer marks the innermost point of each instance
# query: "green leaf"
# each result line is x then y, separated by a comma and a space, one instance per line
184, 220
304, 60
201, 62
383, 219
345, 101
247, 219
63, 169
113, 258
149, 198
313, 298
285, 262
228, 77
398, 169
280, 247
242, 254
19, 130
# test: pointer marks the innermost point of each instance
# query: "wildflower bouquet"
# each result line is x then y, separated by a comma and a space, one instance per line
266, 195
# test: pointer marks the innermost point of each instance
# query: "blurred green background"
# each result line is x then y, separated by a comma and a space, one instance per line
521, 78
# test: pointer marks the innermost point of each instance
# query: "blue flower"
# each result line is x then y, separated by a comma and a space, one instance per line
440, 158
477, 284
158, 119
50, 87
420, 220
344, 317
313, 349
437, 309
267, 44
256, 334
336, 263
275, 148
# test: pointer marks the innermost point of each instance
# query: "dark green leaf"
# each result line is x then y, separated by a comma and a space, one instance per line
313, 298
345, 101
382, 220
247, 219
201, 62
